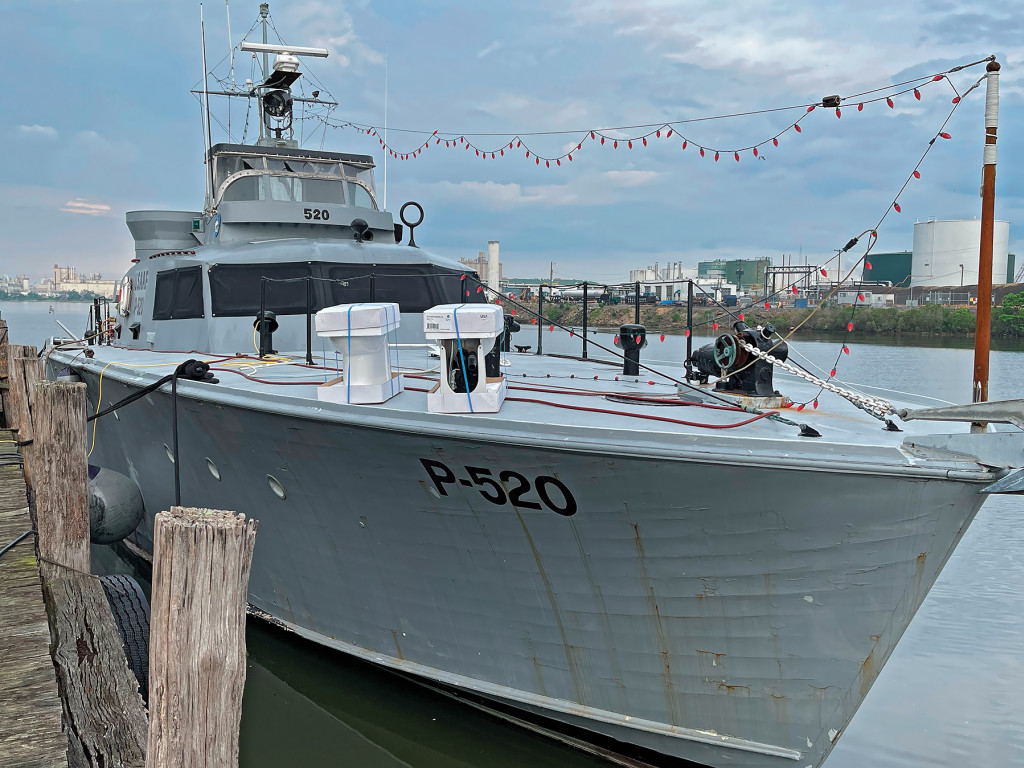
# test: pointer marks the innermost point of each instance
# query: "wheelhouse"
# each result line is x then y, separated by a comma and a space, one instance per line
283, 174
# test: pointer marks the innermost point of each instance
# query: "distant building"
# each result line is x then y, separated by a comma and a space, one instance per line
946, 253
889, 268
66, 279
481, 265
746, 274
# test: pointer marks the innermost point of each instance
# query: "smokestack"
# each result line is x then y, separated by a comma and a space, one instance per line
493, 266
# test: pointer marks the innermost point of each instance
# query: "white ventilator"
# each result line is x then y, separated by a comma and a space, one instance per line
360, 332
465, 334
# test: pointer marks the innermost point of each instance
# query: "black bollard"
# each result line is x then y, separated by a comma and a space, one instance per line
632, 338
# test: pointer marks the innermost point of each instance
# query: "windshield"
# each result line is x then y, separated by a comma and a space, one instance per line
294, 189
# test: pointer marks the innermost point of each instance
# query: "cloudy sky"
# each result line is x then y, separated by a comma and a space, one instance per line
99, 120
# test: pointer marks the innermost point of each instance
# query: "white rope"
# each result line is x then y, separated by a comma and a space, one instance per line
876, 406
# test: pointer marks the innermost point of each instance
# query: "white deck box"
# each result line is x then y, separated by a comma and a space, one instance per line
360, 333
476, 321
487, 401
466, 333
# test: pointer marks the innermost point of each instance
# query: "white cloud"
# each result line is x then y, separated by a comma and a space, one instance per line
490, 194
630, 178
38, 131
78, 205
497, 44
331, 26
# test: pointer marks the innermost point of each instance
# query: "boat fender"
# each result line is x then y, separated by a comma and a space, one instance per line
115, 505
130, 609
69, 374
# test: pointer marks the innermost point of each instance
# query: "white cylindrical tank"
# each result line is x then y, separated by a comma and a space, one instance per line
941, 247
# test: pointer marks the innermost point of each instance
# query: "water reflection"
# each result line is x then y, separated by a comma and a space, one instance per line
305, 705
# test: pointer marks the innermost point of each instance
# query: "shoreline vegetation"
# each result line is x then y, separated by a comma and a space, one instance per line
929, 320
63, 298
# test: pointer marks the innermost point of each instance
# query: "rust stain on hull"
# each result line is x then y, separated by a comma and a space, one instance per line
661, 638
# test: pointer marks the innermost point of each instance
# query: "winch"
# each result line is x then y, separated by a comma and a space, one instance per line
737, 369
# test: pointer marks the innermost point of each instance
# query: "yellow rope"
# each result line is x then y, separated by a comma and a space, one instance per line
99, 405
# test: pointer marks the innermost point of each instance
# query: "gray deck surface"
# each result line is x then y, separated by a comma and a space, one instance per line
545, 393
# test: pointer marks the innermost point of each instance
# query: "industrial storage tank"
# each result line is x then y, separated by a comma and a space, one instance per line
946, 252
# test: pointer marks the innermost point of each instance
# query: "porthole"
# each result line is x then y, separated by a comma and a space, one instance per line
213, 468
169, 452
277, 487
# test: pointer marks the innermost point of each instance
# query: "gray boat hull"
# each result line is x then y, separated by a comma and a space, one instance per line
725, 614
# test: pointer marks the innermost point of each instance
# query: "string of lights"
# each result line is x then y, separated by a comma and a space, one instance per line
862, 262
516, 143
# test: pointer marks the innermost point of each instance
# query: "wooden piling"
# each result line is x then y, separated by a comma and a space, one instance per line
62, 495
104, 716
23, 371
3, 372
197, 638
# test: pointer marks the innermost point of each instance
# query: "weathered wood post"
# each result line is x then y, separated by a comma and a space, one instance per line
62, 493
104, 716
4, 397
197, 636
24, 370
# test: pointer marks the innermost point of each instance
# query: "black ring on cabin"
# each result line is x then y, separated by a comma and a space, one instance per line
401, 214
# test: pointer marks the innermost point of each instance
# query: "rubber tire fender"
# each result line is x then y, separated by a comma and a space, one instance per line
130, 607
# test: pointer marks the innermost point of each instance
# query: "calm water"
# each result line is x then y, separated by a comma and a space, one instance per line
952, 693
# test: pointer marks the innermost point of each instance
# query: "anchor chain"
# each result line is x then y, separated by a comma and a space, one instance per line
876, 406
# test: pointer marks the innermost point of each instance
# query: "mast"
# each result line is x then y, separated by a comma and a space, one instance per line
982, 332
264, 11
206, 120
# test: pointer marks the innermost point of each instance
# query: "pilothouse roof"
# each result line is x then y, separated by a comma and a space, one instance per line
251, 150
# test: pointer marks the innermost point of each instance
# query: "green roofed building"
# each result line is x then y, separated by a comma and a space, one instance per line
745, 274
892, 268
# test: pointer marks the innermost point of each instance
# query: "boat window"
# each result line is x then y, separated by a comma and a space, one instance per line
179, 294
414, 287
408, 285
283, 188
454, 289
359, 197
235, 289
229, 165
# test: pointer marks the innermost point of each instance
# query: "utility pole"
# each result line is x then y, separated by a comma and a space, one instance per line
551, 274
